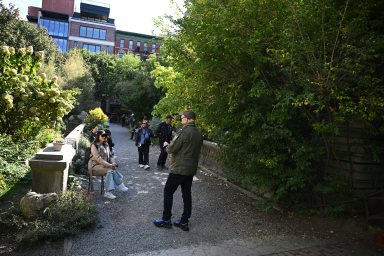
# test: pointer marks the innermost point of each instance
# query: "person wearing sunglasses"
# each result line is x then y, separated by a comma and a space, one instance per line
143, 142
103, 163
185, 150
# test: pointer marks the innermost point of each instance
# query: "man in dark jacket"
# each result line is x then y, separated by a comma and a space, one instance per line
164, 133
185, 149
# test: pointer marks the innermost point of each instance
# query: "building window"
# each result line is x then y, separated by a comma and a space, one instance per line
95, 33
54, 27
153, 47
121, 55
103, 34
130, 44
89, 32
61, 44
83, 31
121, 43
92, 48
145, 47
138, 44
74, 44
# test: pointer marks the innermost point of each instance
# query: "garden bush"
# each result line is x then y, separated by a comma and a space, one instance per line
29, 101
68, 216
79, 165
96, 116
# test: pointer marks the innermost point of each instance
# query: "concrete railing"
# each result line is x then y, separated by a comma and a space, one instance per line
50, 168
208, 157
74, 136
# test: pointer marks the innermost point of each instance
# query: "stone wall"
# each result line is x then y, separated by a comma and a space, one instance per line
50, 168
208, 157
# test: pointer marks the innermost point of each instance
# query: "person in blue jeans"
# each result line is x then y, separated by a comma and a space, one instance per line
143, 142
102, 163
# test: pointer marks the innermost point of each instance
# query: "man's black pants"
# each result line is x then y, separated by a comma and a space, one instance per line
173, 182
163, 155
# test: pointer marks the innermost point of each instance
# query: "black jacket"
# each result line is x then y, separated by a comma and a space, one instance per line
164, 132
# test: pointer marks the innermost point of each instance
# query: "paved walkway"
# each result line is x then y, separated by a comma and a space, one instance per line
224, 221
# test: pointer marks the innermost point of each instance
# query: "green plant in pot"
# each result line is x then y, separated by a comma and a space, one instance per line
58, 143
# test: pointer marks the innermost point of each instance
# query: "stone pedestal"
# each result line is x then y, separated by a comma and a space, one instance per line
50, 169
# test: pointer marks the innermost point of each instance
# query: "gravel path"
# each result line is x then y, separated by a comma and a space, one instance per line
224, 221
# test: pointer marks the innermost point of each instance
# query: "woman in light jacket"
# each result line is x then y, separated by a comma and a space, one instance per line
102, 163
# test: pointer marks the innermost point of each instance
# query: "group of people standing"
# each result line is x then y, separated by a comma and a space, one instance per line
143, 141
185, 149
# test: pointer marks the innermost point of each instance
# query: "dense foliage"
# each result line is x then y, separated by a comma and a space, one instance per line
135, 87
75, 74
21, 34
125, 79
96, 116
71, 213
273, 80
29, 101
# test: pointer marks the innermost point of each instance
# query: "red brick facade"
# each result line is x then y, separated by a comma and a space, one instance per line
33, 11
59, 6
135, 37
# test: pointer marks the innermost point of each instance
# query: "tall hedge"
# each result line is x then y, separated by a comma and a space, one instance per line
271, 81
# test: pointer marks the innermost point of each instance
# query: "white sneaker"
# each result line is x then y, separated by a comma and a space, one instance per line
141, 165
109, 195
122, 187
146, 167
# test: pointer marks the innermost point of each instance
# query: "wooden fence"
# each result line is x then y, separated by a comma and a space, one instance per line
359, 156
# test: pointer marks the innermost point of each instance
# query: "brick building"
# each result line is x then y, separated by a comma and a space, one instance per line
138, 44
91, 28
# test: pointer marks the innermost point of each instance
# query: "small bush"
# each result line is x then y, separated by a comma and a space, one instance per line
13, 152
96, 116
68, 216
10, 174
337, 195
79, 165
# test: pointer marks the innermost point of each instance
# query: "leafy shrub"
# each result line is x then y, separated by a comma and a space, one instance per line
78, 160
29, 101
10, 174
12, 152
276, 103
96, 116
336, 195
72, 212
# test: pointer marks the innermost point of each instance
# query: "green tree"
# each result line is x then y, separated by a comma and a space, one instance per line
135, 88
75, 74
29, 101
21, 34
102, 67
272, 81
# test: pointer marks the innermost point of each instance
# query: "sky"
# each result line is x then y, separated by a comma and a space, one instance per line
130, 15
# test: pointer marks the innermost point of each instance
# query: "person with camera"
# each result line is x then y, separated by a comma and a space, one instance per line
102, 163
164, 133
185, 150
143, 142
